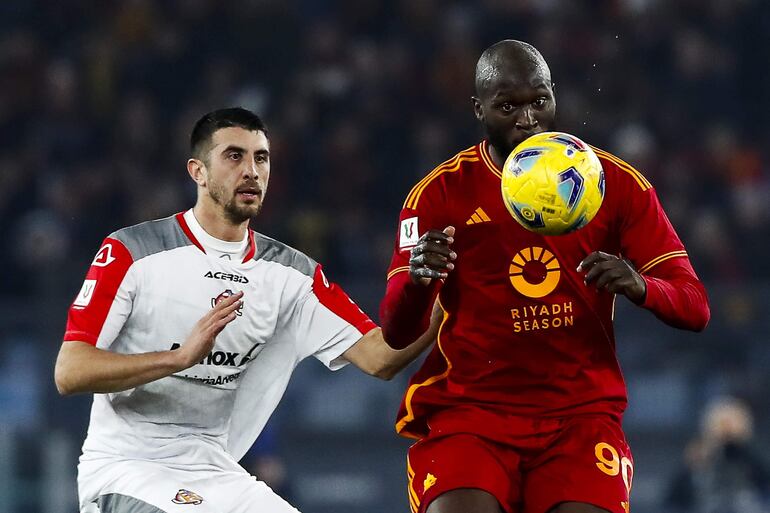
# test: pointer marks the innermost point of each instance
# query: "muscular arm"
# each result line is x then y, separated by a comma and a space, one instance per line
82, 367
373, 355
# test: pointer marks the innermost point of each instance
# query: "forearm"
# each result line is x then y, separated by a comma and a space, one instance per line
405, 310
81, 367
677, 297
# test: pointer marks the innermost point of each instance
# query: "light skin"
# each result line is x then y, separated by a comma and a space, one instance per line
232, 179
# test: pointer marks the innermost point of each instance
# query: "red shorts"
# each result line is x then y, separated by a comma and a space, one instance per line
530, 465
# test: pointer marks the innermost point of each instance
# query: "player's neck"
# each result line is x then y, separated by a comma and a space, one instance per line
497, 158
217, 226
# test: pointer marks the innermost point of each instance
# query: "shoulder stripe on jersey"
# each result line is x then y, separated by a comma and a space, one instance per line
625, 166
396, 271
271, 250
484, 151
152, 237
414, 194
435, 175
662, 258
409, 417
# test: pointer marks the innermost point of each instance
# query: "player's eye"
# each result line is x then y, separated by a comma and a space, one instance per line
506, 107
260, 158
234, 156
540, 102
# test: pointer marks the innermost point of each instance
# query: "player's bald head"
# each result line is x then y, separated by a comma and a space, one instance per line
509, 59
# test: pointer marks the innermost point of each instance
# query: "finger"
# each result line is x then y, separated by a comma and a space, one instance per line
450, 231
608, 276
228, 301
596, 270
594, 258
431, 260
425, 272
436, 235
434, 247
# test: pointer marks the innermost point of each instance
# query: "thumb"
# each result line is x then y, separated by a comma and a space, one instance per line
450, 230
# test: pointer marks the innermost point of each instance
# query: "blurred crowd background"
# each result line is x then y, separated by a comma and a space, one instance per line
363, 97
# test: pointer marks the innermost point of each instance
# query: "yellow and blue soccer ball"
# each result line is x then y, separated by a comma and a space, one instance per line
553, 183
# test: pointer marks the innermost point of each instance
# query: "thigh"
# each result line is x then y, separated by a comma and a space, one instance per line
447, 472
239, 492
588, 465
141, 487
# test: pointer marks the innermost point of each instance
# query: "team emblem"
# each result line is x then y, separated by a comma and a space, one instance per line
104, 257
187, 497
534, 272
224, 295
430, 480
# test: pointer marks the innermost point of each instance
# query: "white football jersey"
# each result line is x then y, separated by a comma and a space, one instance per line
147, 287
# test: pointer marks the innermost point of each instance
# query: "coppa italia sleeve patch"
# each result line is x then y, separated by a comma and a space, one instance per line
408, 233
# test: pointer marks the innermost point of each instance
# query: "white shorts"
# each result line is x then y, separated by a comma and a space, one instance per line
146, 487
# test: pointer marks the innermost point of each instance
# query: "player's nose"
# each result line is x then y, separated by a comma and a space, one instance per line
526, 119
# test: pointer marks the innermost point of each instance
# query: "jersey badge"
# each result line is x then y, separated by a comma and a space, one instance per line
85, 294
104, 257
187, 497
430, 480
479, 216
224, 295
408, 233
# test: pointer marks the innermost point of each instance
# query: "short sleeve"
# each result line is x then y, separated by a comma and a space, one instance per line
326, 322
105, 300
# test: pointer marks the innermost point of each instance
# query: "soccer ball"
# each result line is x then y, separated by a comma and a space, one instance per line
553, 183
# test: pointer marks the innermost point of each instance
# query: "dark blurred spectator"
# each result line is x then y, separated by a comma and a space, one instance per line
723, 471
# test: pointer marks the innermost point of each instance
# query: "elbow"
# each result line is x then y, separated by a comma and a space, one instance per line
63, 385
385, 373
702, 319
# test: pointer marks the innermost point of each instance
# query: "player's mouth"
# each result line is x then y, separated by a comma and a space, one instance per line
249, 193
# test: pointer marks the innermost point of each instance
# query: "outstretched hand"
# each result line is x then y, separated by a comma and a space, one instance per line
432, 257
613, 274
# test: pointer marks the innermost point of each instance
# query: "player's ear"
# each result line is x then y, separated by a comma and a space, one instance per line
197, 171
477, 110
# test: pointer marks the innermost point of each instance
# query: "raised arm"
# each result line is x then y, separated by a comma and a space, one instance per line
82, 367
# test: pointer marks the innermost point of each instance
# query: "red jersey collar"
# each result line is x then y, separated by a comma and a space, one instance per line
487, 158
186, 229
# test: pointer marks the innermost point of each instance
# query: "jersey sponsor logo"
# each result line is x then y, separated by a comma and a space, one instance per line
478, 216
187, 497
430, 480
221, 358
85, 294
542, 316
104, 257
534, 272
224, 295
408, 233
219, 275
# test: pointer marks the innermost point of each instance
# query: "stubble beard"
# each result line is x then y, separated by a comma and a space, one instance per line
233, 212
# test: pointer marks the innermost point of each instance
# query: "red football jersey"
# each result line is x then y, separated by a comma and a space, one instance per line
522, 334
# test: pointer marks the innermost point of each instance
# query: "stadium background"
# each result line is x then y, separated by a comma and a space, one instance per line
363, 97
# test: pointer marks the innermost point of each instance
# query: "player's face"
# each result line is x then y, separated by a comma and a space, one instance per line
237, 172
515, 105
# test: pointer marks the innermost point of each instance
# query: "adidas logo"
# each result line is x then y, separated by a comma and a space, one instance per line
479, 216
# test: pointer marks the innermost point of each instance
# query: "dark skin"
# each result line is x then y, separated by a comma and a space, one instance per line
515, 99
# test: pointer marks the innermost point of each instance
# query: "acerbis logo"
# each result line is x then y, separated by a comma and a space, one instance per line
534, 272
219, 275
